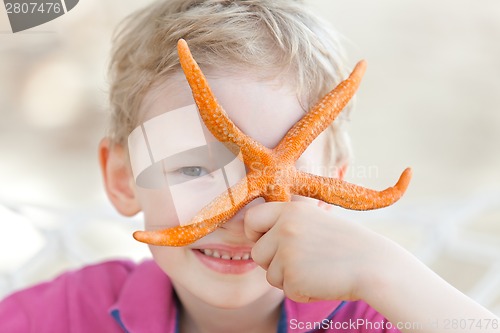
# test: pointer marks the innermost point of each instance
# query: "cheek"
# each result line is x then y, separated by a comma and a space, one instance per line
177, 205
172, 260
314, 163
158, 208
313, 159
317, 160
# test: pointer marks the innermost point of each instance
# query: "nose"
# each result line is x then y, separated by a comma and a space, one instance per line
235, 224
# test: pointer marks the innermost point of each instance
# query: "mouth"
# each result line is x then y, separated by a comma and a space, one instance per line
226, 260
226, 255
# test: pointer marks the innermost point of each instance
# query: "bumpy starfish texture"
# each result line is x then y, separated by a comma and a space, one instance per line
271, 172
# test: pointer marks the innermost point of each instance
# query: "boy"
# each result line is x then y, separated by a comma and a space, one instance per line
262, 271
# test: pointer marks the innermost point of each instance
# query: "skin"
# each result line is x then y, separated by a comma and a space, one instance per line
272, 174
361, 265
220, 296
303, 251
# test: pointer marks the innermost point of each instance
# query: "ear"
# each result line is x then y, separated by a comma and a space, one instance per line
117, 177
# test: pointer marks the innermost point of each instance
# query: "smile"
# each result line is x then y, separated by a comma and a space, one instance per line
225, 255
226, 260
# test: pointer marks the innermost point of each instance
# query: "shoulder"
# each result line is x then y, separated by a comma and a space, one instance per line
82, 296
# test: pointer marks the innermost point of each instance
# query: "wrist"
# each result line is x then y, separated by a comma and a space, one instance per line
388, 269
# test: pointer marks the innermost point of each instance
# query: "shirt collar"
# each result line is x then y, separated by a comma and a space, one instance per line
146, 302
307, 313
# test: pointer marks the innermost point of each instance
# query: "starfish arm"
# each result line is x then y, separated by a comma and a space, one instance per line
321, 115
212, 113
347, 195
225, 206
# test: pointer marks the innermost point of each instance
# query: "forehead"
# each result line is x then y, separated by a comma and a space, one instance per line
264, 110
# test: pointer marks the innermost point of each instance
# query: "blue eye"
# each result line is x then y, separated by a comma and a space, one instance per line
193, 171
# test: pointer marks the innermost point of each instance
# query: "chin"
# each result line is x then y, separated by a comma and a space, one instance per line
227, 291
232, 297
209, 280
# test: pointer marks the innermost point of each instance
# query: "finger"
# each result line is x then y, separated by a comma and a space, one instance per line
260, 219
264, 250
295, 294
274, 273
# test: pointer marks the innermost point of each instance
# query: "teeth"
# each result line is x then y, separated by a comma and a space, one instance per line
225, 255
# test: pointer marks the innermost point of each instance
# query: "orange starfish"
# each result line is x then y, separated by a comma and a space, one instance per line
272, 174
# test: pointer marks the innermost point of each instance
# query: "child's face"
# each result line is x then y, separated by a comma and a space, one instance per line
262, 110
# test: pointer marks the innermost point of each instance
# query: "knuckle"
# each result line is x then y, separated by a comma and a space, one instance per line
295, 292
257, 257
292, 225
296, 208
274, 279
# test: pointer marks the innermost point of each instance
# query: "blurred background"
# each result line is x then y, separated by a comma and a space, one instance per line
430, 100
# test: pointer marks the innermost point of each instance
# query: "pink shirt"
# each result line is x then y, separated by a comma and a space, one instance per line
120, 296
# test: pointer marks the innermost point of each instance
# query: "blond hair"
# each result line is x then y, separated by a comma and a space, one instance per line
272, 38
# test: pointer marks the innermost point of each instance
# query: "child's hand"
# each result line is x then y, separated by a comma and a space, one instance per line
310, 254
